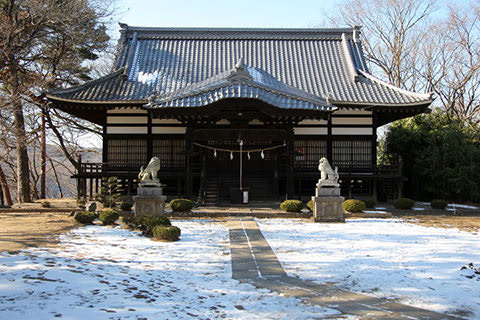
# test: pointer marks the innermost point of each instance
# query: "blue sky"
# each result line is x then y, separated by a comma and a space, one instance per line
225, 13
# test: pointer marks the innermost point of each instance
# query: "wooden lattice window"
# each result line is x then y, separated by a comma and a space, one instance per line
127, 152
309, 151
352, 154
171, 152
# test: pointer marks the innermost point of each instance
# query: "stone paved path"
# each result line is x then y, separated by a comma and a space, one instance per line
253, 261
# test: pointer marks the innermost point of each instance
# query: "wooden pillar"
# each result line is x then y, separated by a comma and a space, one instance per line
188, 164
79, 179
275, 176
104, 145
129, 187
290, 164
329, 140
91, 188
149, 137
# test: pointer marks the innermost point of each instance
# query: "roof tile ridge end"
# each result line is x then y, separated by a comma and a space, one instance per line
348, 56
426, 96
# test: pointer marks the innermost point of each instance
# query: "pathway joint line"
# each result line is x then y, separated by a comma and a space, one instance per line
250, 249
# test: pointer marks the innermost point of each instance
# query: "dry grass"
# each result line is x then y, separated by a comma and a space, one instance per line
465, 223
32, 229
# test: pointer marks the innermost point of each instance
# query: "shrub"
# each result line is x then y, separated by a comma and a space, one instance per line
45, 204
129, 220
110, 191
147, 223
310, 205
403, 203
108, 216
353, 205
438, 204
370, 203
81, 203
85, 217
291, 206
181, 205
126, 206
170, 233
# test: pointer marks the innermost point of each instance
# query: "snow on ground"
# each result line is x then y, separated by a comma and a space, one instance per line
112, 273
418, 265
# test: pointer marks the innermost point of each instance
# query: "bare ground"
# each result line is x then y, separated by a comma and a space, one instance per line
465, 223
20, 230
35, 229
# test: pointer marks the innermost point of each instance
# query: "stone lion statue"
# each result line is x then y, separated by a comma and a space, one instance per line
328, 176
151, 171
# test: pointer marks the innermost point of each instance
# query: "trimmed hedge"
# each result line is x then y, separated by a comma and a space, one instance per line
370, 203
309, 205
126, 206
85, 217
147, 223
403, 203
170, 233
108, 216
291, 206
438, 204
181, 205
353, 205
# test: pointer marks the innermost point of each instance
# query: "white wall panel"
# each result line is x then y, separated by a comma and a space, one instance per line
127, 130
352, 131
168, 130
352, 120
127, 120
313, 131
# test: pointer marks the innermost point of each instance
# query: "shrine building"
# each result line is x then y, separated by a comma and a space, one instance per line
252, 108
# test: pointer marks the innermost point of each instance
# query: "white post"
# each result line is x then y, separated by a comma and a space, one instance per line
241, 164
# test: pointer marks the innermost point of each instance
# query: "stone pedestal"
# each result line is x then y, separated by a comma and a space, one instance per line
328, 208
150, 200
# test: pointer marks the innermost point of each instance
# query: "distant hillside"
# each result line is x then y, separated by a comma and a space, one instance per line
63, 168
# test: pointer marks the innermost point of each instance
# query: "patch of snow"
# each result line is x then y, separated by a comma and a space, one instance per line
462, 206
418, 209
374, 211
101, 272
391, 258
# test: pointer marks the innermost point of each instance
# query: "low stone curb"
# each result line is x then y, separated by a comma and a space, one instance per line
217, 214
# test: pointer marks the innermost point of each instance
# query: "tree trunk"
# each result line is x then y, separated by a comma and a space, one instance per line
43, 150
6, 189
56, 178
23, 172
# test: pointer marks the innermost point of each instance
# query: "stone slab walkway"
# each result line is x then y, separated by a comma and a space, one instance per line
253, 261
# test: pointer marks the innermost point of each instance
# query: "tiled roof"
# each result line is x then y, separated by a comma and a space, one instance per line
241, 82
321, 62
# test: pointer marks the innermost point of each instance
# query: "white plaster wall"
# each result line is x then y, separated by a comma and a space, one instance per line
127, 130
352, 131
168, 130
351, 120
127, 120
310, 131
